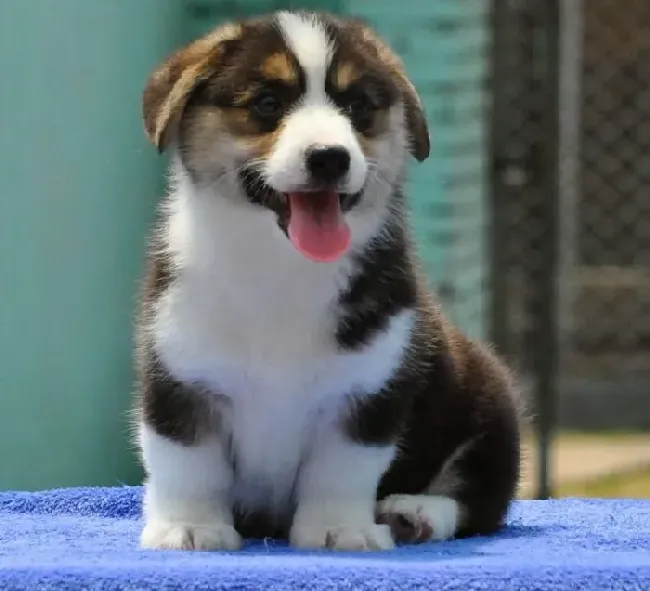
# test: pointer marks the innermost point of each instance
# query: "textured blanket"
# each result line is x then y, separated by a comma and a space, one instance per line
87, 539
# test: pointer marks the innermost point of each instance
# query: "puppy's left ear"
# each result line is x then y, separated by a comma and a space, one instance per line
172, 83
416, 121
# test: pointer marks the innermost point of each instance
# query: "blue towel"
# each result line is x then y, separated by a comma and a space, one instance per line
87, 539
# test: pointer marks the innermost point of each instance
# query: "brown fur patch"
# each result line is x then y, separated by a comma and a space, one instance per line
243, 96
279, 66
207, 123
346, 73
238, 122
262, 145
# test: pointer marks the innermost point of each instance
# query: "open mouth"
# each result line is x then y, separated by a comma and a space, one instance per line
317, 226
313, 220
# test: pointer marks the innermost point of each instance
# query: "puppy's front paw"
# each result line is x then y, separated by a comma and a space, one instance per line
163, 535
342, 537
419, 518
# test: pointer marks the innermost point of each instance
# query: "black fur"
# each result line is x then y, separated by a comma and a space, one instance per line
177, 410
385, 286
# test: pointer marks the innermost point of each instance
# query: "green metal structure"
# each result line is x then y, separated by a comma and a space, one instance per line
79, 184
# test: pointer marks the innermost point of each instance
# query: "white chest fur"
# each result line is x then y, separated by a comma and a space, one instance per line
251, 319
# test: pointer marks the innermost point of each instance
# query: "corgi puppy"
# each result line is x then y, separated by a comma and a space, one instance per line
296, 377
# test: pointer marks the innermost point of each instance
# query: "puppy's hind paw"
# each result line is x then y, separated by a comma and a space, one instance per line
419, 518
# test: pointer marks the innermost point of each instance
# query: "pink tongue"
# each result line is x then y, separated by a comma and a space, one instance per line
316, 226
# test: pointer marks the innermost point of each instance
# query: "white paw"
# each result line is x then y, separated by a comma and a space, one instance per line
162, 535
342, 537
419, 518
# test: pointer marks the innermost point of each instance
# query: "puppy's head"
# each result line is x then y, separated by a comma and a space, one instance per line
307, 115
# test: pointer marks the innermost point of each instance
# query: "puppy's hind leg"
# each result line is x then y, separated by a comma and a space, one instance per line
470, 495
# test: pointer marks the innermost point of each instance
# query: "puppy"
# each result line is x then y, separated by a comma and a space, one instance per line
297, 379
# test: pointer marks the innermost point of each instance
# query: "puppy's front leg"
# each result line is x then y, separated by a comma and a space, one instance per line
336, 494
187, 494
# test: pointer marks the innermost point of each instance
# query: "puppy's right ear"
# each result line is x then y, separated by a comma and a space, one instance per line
171, 84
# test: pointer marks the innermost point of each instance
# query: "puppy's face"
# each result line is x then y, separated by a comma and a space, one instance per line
303, 114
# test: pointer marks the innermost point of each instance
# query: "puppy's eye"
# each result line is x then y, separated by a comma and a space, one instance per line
267, 105
360, 107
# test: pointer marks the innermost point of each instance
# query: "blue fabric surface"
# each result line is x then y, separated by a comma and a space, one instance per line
87, 539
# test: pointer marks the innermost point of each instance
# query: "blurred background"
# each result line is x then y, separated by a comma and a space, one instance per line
532, 216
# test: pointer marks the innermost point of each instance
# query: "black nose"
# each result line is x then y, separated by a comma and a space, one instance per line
328, 164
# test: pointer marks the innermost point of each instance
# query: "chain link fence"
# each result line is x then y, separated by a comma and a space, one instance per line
571, 206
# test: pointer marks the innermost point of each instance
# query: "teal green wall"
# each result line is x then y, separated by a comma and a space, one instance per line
77, 190
205, 14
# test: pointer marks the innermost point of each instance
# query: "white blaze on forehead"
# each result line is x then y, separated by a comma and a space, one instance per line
307, 38
315, 120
